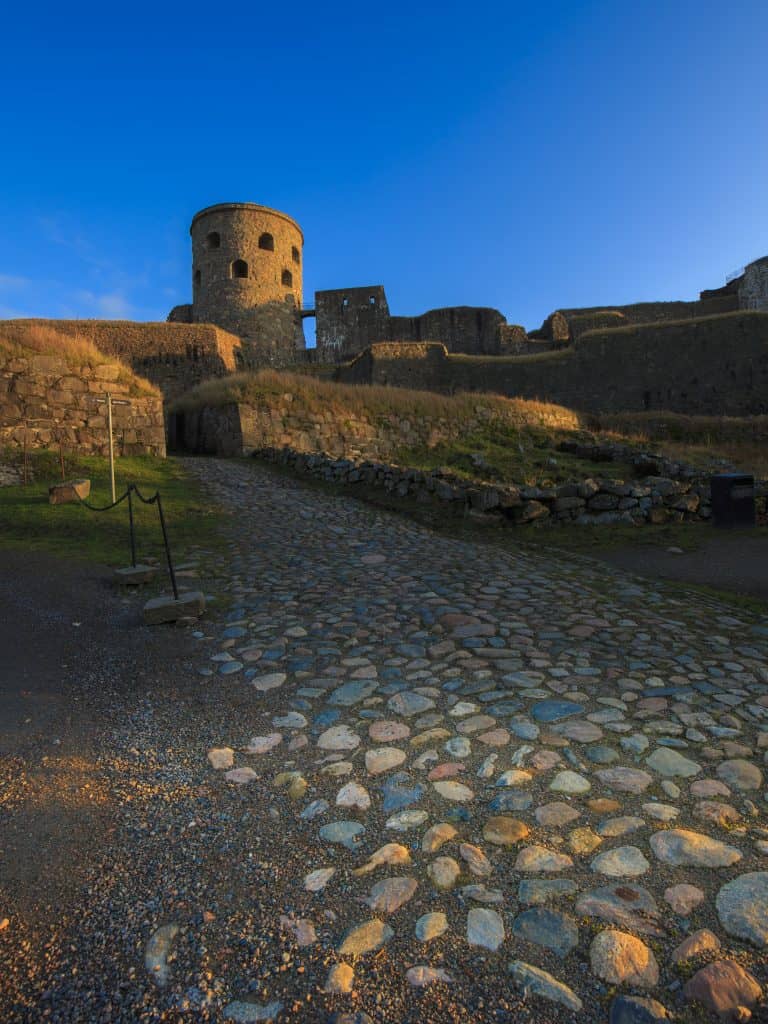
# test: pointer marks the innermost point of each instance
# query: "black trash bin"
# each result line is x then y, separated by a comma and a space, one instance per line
733, 499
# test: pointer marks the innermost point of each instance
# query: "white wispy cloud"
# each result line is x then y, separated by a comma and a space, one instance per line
110, 305
13, 282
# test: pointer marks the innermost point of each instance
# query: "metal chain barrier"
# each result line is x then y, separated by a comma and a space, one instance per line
155, 499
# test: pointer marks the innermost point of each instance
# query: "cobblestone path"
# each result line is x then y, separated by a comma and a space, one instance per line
525, 764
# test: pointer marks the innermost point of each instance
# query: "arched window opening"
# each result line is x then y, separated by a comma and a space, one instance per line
198, 278
213, 240
295, 254
371, 300
287, 278
266, 241
239, 268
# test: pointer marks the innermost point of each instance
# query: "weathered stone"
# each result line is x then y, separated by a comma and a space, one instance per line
341, 978
626, 780
622, 959
539, 858
390, 894
684, 898
365, 938
444, 872
69, 490
390, 853
548, 928
436, 836
485, 928
570, 782
157, 952
540, 983
682, 847
168, 609
421, 976
742, 906
637, 1010
725, 988
431, 926
621, 862
503, 831
669, 763
740, 774
221, 758
702, 941
383, 759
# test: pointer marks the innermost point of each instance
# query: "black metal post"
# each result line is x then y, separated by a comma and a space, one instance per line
131, 526
167, 548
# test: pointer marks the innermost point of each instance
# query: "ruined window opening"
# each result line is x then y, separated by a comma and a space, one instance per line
344, 304
266, 241
295, 254
371, 300
198, 278
287, 278
239, 268
213, 240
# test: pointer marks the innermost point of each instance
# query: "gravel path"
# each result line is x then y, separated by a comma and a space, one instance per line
406, 778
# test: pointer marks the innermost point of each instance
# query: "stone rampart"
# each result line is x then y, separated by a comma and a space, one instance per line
712, 366
174, 356
45, 400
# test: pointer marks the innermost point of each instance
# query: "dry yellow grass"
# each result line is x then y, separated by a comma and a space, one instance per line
31, 339
317, 395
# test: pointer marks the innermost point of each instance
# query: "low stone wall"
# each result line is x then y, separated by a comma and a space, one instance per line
235, 429
45, 401
648, 500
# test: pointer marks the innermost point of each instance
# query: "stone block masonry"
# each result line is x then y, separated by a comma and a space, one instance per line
174, 356
45, 401
716, 365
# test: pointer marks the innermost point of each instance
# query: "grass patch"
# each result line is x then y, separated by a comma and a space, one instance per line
27, 520
499, 452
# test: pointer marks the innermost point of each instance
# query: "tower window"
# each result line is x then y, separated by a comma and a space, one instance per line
213, 240
198, 278
371, 300
295, 254
266, 241
344, 304
287, 278
239, 268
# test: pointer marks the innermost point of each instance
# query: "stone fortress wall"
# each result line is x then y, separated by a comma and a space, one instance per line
704, 356
173, 356
715, 365
46, 401
349, 319
247, 278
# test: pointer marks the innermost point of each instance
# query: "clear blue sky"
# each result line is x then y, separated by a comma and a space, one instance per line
518, 155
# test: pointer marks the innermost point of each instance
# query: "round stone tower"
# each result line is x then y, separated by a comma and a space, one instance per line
246, 278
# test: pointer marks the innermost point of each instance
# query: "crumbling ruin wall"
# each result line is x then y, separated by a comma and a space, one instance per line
753, 286
348, 320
